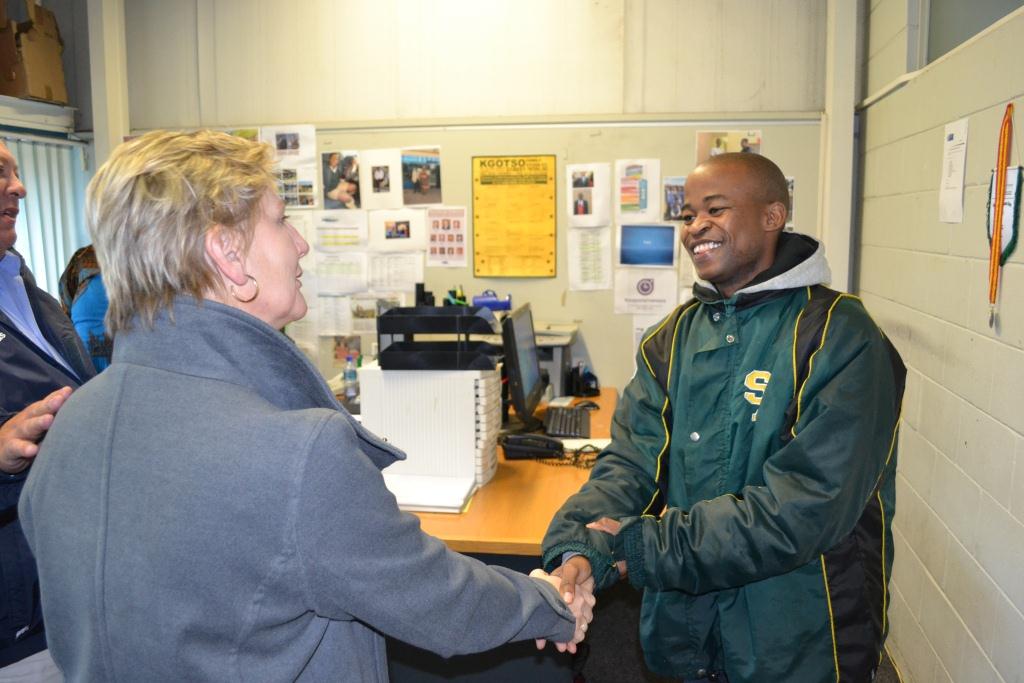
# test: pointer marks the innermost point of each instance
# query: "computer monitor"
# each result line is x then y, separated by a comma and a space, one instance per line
522, 366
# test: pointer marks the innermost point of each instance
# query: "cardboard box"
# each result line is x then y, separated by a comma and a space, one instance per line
30, 56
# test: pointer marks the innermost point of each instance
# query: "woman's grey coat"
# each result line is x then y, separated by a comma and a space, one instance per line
204, 510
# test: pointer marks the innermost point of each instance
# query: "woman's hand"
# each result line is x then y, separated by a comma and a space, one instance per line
581, 605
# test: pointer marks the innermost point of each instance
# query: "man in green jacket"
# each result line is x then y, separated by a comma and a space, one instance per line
749, 487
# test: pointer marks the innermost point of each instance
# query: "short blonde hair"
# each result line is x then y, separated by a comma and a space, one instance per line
150, 206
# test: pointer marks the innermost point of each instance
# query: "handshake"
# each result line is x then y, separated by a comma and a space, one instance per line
574, 581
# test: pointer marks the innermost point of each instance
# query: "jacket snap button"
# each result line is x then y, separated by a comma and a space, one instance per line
694, 436
730, 338
701, 673
716, 316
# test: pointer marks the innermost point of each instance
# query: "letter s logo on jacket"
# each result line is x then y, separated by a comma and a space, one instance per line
756, 381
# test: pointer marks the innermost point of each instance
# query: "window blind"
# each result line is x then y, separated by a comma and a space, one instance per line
51, 225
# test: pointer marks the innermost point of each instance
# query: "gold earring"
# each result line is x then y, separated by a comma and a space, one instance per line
254, 294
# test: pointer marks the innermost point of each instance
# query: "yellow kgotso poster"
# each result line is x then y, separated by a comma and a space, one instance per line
514, 216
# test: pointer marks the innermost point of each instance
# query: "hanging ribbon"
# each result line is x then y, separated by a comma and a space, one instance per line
995, 252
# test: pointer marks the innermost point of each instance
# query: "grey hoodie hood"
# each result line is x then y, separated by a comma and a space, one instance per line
799, 262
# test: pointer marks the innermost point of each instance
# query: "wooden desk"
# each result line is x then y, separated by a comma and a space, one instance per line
509, 515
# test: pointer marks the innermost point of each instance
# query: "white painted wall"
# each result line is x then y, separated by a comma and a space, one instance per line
234, 62
957, 609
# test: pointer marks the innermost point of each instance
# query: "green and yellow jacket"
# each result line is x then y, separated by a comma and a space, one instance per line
752, 466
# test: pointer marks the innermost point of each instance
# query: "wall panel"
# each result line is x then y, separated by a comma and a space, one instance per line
235, 62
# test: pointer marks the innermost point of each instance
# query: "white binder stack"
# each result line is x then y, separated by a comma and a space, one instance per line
446, 421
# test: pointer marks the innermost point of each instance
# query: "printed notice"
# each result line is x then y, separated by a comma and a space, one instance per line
590, 257
643, 291
514, 216
395, 271
338, 229
340, 272
334, 314
954, 157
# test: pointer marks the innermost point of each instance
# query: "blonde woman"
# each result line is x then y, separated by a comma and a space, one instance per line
205, 510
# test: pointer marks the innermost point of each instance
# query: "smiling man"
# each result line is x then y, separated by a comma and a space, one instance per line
41, 359
749, 487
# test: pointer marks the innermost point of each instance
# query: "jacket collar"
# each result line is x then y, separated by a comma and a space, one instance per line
215, 341
208, 339
799, 262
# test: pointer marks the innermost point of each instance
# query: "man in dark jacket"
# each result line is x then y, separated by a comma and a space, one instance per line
749, 487
41, 360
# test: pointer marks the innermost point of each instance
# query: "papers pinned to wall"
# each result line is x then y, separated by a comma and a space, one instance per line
646, 291
334, 315
587, 202
340, 273
514, 216
394, 271
296, 172
448, 237
711, 143
675, 196
638, 190
397, 230
304, 332
339, 178
338, 229
421, 175
954, 159
590, 258
381, 179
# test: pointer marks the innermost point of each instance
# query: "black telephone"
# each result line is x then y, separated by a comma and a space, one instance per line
530, 446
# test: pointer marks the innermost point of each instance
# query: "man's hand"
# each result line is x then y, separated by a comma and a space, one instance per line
576, 582
20, 435
610, 526
574, 573
581, 605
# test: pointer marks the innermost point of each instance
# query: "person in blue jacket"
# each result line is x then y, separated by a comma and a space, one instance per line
41, 360
84, 299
